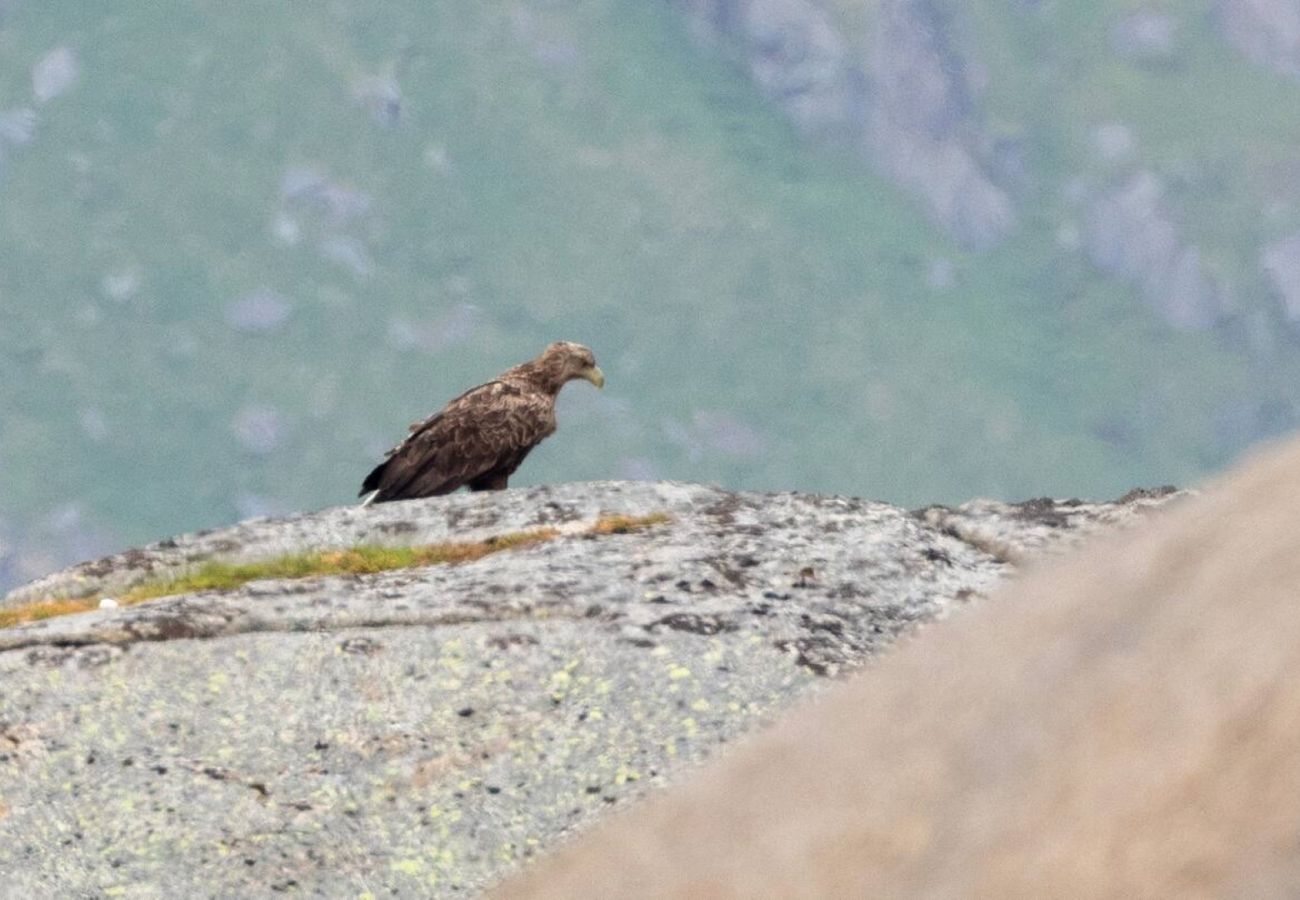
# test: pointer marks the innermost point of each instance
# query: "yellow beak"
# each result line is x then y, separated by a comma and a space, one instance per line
595, 376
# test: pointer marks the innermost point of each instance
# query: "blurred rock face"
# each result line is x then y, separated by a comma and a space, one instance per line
1281, 261
1123, 724
1145, 36
1266, 31
55, 74
917, 122
1131, 235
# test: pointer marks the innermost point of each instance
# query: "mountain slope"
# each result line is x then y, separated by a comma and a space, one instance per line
245, 245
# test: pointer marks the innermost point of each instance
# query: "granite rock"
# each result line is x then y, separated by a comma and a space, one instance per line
422, 731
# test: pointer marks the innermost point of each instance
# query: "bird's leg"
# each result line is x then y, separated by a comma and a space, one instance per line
492, 481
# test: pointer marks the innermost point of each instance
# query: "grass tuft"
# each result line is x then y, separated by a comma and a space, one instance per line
364, 559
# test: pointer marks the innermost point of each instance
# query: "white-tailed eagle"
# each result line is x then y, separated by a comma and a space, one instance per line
481, 437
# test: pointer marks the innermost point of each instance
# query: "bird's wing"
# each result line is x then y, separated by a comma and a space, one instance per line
471, 435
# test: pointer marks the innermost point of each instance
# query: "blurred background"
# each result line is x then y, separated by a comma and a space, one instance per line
913, 250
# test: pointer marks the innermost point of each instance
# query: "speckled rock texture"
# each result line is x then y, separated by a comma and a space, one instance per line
420, 732
1121, 723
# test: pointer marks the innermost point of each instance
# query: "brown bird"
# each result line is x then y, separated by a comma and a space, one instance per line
482, 436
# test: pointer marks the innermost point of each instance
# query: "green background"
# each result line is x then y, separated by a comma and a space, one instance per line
585, 170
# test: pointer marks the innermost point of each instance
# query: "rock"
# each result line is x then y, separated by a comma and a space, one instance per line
349, 253
17, 126
940, 274
1280, 260
259, 311
793, 53
1017, 532
454, 326
1122, 724
1144, 36
1128, 233
908, 104
55, 74
93, 424
285, 229
799, 60
421, 731
557, 53
259, 429
300, 183
339, 206
121, 285
381, 96
920, 120
1265, 31
1113, 142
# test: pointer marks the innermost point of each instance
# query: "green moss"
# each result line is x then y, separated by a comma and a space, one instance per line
361, 560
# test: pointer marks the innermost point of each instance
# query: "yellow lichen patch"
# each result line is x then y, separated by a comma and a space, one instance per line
359, 560
407, 866
627, 524
44, 609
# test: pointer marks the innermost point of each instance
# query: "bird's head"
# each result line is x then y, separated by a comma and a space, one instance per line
570, 361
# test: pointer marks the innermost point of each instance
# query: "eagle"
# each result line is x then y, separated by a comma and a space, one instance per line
481, 437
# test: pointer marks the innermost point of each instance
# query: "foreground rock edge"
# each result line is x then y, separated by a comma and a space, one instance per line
1122, 723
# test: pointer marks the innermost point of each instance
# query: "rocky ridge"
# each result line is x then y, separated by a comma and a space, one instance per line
426, 729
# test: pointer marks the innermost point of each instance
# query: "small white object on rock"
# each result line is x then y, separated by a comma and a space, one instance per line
107, 603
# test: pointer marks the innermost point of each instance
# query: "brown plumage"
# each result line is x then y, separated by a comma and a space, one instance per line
481, 437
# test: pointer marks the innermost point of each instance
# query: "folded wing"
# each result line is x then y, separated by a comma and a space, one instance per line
478, 439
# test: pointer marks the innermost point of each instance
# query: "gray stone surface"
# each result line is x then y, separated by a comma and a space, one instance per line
1018, 532
419, 732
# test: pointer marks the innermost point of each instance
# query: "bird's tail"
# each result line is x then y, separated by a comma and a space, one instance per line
371, 484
